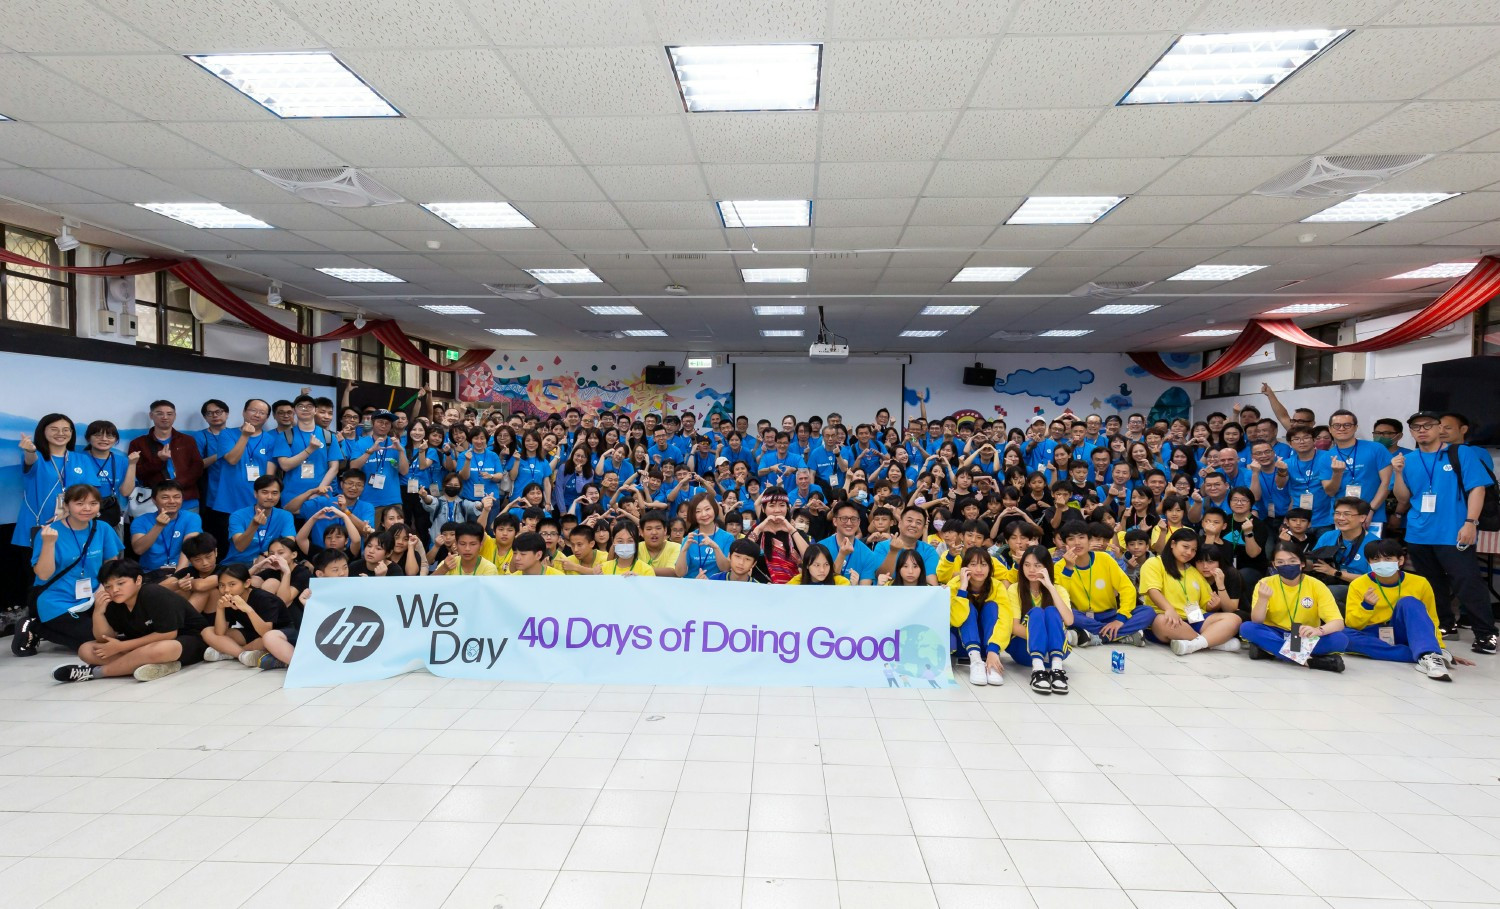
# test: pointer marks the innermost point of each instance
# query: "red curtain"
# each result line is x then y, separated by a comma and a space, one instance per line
1469, 295
192, 273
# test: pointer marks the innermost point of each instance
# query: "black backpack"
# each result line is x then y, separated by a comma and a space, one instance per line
1489, 512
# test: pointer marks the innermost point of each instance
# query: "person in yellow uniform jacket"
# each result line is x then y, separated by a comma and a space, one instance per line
528, 556
465, 558
1392, 615
817, 568
1103, 599
628, 554
974, 599
497, 548
1191, 615
1292, 614
971, 536
1033, 627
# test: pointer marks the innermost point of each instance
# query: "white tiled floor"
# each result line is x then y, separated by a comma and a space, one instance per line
1201, 783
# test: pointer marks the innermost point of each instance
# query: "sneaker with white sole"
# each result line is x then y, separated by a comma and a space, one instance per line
270, 662
976, 672
1071, 636
211, 655
1183, 648
994, 676
1135, 639
73, 672
153, 671
1432, 664
250, 659
1059, 680
1041, 681
1230, 646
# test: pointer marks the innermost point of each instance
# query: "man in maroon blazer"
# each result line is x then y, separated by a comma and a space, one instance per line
167, 454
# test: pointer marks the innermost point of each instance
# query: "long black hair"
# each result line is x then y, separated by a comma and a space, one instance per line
981, 556
39, 435
1041, 596
1169, 558
908, 555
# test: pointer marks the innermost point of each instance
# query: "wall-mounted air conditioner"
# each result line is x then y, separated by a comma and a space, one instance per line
1269, 356
1365, 329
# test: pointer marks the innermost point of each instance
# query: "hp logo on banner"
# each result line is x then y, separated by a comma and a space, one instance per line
350, 635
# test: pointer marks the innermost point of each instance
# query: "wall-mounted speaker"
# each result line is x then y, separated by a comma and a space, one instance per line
978, 375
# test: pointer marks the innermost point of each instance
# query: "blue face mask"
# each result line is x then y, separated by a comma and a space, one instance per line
861, 497
1385, 569
1289, 572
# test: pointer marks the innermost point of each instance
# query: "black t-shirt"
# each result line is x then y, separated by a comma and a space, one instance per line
301, 575
1235, 536
361, 569
157, 610
266, 605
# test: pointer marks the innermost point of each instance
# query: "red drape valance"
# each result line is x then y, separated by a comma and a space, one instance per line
1470, 294
193, 273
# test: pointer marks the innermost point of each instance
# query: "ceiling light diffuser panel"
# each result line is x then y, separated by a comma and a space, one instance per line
296, 86
1378, 206
453, 310
927, 333
206, 215
766, 213
1440, 270
1215, 272
479, 215
780, 310
1064, 209
774, 275
1228, 67
1302, 309
613, 310
564, 276
991, 273
1212, 333
748, 77
362, 275
1124, 309
948, 310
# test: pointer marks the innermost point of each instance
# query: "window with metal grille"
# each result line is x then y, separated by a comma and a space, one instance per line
36, 297
287, 353
163, 314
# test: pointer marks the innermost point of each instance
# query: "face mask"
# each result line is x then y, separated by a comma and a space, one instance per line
452, 490
625, 551
801, 526
1385, 569
937, 523
1323, 444
861, 497
1384, 441
1289, 572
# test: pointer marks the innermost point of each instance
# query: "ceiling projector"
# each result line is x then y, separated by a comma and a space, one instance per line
829, 351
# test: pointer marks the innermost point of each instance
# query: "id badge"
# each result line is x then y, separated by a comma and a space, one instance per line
1194, 613
83, 589
377, 481
252, 472
1306, 501
479, 490
1429, 503
307, 471
411, 486
1387, 634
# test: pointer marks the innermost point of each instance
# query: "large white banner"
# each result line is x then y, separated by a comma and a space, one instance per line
624, 631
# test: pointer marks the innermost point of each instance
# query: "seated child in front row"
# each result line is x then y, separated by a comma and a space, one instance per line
1391, 615
244, 617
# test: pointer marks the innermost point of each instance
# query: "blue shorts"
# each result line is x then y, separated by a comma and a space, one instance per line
1196, 626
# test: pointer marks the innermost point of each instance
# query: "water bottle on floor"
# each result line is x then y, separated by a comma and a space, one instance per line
1117, 661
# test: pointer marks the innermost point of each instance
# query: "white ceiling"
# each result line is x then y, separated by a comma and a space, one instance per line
936, 120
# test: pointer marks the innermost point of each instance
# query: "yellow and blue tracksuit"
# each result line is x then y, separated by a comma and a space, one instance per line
1407, 607
1307, 602
1181, 593
1046, 636
968, 615
1100, 594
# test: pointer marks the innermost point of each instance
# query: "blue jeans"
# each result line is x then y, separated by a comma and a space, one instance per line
1414, 634
1270, 638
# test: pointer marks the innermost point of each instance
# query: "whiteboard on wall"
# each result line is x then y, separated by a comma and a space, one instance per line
771, 387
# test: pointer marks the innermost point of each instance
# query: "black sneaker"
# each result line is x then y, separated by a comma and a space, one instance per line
1451, 629
73, 672
1059, 682
1256, 653
1041, 681
1327, 662
26, 640
1484, 643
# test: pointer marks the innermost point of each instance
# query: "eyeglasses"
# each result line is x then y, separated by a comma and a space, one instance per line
1421, 426
1340, 425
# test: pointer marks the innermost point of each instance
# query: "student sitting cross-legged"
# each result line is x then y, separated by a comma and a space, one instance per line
1392, 615
1293, 612
1104, 601
1033, 628
245, 615
140, 629
1192, 614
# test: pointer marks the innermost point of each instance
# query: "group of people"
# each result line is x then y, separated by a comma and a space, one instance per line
1292, 540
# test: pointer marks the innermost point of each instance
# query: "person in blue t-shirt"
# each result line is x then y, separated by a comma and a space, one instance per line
532, 466
247, 460
827, 461
705, 549
253, 527
156, 539
350, 501
909, 531
305, 451
1351, 531
852, 559
1367, 466
1313, 478
780, 465
384, 463
49, 465
1442, 523
66, 557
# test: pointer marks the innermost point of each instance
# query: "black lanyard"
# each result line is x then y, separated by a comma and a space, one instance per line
107, 474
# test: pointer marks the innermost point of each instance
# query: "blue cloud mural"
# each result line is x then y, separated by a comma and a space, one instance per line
1059, 385
913, 399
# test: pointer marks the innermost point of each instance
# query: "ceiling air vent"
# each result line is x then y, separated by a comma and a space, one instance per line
1110, 290
336, 187
1338, 175
602, 334
1013, 335
521, 291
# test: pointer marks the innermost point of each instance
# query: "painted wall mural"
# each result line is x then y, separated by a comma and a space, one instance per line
541, 383
1030, 386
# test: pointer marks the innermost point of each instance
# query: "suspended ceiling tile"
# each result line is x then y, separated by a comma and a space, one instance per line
597, 81
934, 212
30, 146
243, 26
1388, 64
436, 184
1449, 173
455, 241
1403, 233
1148, 209
1323, 233
681, 239
34, 186
871, 180
738, 138
459, 82
696, 215
645, 182
350, 241
1215, 236
1194, 176
1072, 16
1102, 176
1293, 129
296, 215
1071, 71
125, 184
1422, 127
901, 75
1252, 209
1135, 236
949, 236
931, 19
393, 217
268, 144
597, 240
884, 136
35, 27
157, 86
1005, 134
553, 184
29, 91
771, 239
575, 22
508, 142
863, 212
760, 181
627, 140
986, 178
379, 142
1478, 82
1483, 235
139, 144
741, 21
388, 23
856, 237
576, 215
1164, 129
1033, 236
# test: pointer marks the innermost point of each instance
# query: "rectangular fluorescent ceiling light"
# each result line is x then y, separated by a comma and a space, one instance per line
700, 362
1064, 209
774, 275
1212, 333
780, 310
362, 275
1378, 206
456, 310
479, 215
1234, 67
1215, 272
1297, 309
1124, 309
990, 273
748, 76
1440, 270
298, 85
645, 333
516, 332
613, 310
1066, 333
755, 213
923, 333
205, 215
781, 332
947, 310
564, 276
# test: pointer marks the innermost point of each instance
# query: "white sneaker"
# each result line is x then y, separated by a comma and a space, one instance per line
1183, 648
976, 672
250, 658
1432, 665
1448, 659
211, 655
994, 676
1230, 646
153, 671
1071, 636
